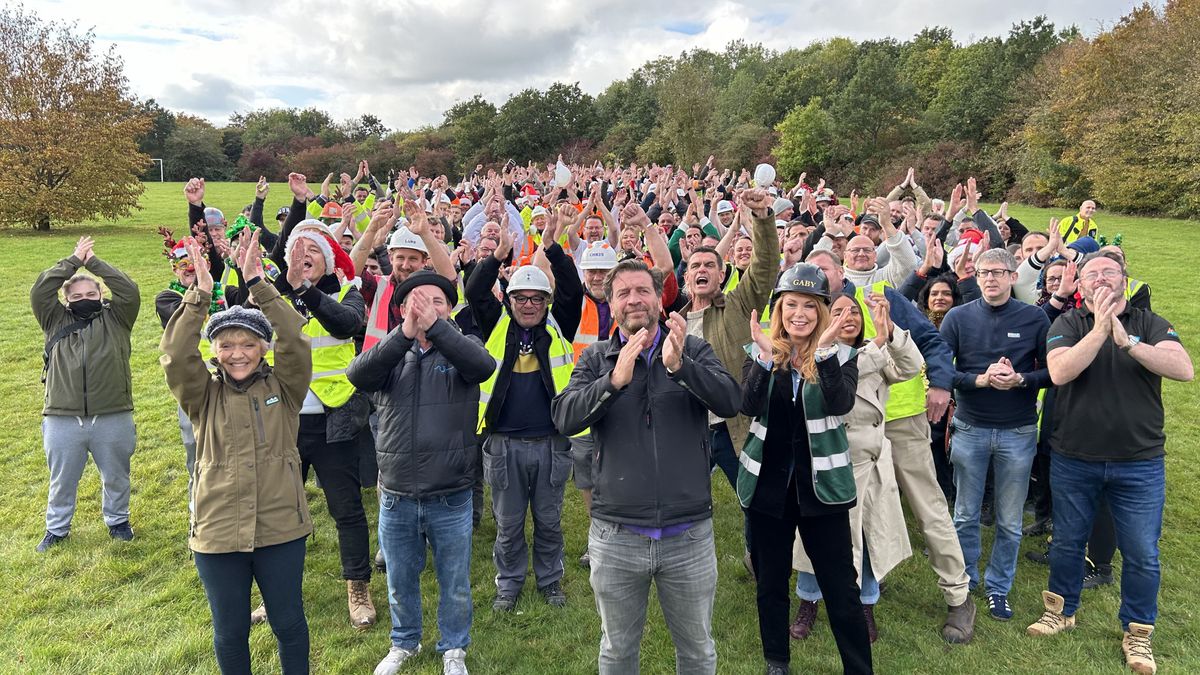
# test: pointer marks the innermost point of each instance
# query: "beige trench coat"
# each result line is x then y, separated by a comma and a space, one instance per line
878, 514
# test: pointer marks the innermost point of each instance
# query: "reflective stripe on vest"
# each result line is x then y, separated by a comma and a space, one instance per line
906, 398
377, 319
589, 326
1132, 286
562, 360
734, 277
330, 357
362, 212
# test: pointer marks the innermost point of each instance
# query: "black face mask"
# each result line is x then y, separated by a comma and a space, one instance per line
84, 308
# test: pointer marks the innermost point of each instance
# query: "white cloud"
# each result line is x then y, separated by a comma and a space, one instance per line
407, 61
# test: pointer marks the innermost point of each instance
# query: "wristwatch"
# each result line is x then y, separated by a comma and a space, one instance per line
1133, 341
1020, 381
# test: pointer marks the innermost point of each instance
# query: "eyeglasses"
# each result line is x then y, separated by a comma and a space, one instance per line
857, 251
995, 274
1107, 274
535, 300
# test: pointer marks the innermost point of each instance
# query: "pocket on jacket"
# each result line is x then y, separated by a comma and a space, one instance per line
495, 462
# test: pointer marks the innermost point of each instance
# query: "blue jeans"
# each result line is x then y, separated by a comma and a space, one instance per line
1011, 453
279, 572
405, 527
1135, 492
868, 594
723, 456
684, 571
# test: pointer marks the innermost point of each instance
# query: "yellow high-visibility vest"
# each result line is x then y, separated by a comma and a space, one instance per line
562, 360
906, 398
330, 358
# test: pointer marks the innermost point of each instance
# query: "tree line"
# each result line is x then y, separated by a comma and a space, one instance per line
1042, 115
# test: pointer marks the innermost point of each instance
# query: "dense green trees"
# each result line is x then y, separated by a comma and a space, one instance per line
1039, 114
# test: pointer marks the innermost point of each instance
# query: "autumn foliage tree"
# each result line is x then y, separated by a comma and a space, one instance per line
69, 128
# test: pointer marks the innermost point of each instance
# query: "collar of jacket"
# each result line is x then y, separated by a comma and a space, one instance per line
259, 373
717, 301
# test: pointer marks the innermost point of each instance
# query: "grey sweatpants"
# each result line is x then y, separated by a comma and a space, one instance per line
527, 475
189, 449
67, 441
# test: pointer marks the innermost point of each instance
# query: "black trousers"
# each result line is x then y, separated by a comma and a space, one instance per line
337, 466
1103, 542
827, 542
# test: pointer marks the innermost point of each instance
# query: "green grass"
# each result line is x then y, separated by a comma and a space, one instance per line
92, 605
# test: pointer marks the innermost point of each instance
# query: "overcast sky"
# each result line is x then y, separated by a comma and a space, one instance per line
406, 61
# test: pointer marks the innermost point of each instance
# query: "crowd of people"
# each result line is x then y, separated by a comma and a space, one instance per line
638, 328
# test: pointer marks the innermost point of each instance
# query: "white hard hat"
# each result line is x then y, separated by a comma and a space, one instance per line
529, 278
539, 211
724, 206
404, 238
599, 255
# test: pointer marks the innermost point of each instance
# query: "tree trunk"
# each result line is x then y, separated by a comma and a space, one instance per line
42, 224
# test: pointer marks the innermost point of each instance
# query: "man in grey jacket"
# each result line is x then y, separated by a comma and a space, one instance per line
89, 389
646, 394
424, 380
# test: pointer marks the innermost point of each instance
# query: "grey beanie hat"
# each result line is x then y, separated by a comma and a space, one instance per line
237, 316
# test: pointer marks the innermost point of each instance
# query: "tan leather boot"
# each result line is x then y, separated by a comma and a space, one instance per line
362, 611
1052, 621
1136, 645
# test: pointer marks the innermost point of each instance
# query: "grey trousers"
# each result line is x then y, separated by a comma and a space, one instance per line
527, 474
189, 449
67, 441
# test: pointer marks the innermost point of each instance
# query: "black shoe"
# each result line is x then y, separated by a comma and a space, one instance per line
1097, 577
554, 595
585, 560
987, 516
504, 603
1039, 557
48, 541
121, 531
776, 668
380, 563
1039, 527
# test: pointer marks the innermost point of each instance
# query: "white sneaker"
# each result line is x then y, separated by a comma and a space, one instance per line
454, 662
395, 658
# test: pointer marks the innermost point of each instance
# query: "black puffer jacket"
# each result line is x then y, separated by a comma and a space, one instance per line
428, 407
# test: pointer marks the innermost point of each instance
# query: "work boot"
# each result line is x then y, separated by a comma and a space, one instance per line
1136, 645
380, 563
806, 616
960, 623
362, 611
872, 629
259, 615
504, 603
1052, 621
553, 593
48, 541
395, 658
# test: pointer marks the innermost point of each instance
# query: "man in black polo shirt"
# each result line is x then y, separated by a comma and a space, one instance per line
1108, 359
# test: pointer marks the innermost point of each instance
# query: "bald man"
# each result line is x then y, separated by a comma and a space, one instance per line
1081, 224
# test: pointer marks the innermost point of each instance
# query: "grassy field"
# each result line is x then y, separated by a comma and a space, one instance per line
95, 606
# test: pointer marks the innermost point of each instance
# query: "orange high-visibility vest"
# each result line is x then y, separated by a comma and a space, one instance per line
589, 326
377, 319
